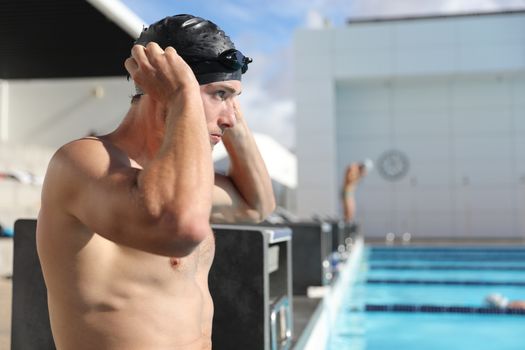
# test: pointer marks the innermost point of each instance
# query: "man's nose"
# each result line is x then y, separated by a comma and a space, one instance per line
227, 119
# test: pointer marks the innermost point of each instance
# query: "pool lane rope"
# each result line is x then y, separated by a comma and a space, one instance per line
444, 282
455, 309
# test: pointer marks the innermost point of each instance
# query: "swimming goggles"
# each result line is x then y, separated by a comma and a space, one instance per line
231, 58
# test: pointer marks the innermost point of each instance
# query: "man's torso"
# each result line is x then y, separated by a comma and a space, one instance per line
106, 296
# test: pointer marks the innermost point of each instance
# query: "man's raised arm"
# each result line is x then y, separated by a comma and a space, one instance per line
163, 208
245, 194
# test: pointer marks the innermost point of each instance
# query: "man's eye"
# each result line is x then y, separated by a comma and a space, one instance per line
220, 94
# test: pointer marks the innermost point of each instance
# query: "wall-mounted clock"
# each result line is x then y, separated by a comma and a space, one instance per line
393, 165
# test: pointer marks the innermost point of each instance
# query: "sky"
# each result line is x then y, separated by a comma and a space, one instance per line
264, 30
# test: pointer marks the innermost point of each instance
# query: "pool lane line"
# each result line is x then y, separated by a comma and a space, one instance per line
446, 250
413, 308
446, 267
483, 258
462, 253
443, 282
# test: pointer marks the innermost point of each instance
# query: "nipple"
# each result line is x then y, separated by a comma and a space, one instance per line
174, 262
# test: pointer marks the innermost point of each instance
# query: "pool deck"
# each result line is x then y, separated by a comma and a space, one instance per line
319, 327
6, 270
303, 309
5, 311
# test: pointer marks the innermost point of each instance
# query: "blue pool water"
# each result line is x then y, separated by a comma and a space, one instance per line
437, 277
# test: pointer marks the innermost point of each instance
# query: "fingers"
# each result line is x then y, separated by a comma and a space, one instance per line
236, 105
237, 108
131, 66
160, 73
170, 50
149, 57
141, 58
132, 63
171, 53
152, 51
138, 52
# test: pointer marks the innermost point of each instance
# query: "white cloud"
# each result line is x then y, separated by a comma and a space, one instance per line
315, 20
267, 97
267, 114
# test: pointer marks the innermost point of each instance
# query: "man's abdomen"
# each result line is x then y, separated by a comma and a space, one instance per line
147, 322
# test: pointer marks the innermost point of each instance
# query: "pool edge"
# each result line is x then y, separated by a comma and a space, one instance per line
317, 332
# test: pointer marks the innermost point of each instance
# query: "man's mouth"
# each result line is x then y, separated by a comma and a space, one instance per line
215, 138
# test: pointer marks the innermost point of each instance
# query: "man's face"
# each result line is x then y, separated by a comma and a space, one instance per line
220, 101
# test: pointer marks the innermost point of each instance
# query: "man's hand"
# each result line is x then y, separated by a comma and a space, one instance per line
245, 194
162, 74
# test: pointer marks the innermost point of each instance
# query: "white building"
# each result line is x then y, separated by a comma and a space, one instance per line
445, 92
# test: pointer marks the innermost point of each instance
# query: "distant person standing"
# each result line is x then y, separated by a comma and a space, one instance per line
353, 174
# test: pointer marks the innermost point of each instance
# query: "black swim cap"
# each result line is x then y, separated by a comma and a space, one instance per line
202, 44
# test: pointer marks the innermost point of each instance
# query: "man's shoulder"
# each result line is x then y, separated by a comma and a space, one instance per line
90, 144
77, 164
89, 153
81, 161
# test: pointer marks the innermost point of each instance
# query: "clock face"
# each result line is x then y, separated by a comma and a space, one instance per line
393, 165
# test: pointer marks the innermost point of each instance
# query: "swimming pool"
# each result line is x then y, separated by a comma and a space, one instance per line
432, 298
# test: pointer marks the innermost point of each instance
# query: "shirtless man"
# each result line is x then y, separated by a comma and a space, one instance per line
123, 234
353, 174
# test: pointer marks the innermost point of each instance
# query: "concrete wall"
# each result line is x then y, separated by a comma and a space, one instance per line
20, 200
52, 112
38, 116
445, 92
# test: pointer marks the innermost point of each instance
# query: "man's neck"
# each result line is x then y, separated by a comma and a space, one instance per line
139, 135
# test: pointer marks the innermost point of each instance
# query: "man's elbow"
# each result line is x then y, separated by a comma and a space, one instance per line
270, 207
259, 214
184, 236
